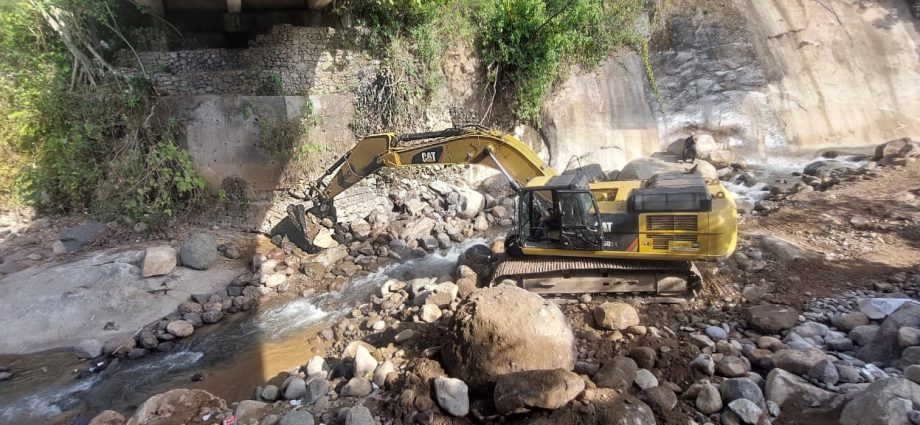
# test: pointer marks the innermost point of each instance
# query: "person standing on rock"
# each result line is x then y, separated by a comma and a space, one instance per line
689, 148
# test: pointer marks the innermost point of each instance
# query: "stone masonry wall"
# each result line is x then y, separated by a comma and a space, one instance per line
287, 61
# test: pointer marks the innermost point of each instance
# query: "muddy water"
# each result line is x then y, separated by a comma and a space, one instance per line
232, 357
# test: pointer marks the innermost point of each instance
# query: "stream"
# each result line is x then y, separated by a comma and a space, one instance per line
232, 357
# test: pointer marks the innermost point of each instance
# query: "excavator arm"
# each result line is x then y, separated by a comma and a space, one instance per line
466, 145
469, 145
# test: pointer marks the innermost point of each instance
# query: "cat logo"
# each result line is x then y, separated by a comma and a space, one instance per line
429, 156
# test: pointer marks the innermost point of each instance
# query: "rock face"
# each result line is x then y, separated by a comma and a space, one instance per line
180, 406
615, 316
884, 402
506, 329
159, 260
772, 318
546, 389
884, 346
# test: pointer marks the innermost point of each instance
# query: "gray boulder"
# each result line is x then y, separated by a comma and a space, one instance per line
783, 387
359, 415
199, 251
506, 329
708, 400
885, 402
846, 322
296, 388
357, 387
798, 362
748, 412
884, 346
863, 335
645, 168
77, 237
619, 373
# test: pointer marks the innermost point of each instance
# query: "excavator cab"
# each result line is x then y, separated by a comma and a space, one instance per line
560, 214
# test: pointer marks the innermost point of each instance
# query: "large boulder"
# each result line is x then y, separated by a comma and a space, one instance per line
199, 251
898, 148
827, 168
644, 168
545, 389
798, 362
506, 329
884, 402
452, 395
607, 408
704, 145
619, 373
179, 406
471, 202
884, 346
783, 387
772, 318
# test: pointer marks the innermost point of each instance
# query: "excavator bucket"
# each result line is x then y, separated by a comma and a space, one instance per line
296, 227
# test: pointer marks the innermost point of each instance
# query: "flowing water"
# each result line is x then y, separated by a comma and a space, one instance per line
232, 357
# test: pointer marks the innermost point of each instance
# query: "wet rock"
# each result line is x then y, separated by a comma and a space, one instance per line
177, 406
297, 417
545, 389
619, 373
748, 412
365, 363
506, 329
884, 402
798, 362
772, 318
430, 313
708, 400
741, 388
615, 316
199, 251
359, 415
452, 395
193, 318
783, 387
180, 328
296, 388
357, 387
148, 339
108, 417
159, 260
661, 399
645, 379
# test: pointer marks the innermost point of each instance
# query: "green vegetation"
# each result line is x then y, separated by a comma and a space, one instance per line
525, 45
76, 134
290, 142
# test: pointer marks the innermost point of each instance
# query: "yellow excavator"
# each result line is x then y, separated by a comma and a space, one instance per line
570, 235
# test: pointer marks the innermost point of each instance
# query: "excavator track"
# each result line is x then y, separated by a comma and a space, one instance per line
560, 275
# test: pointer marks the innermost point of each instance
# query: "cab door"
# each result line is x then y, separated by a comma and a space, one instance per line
580, 220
